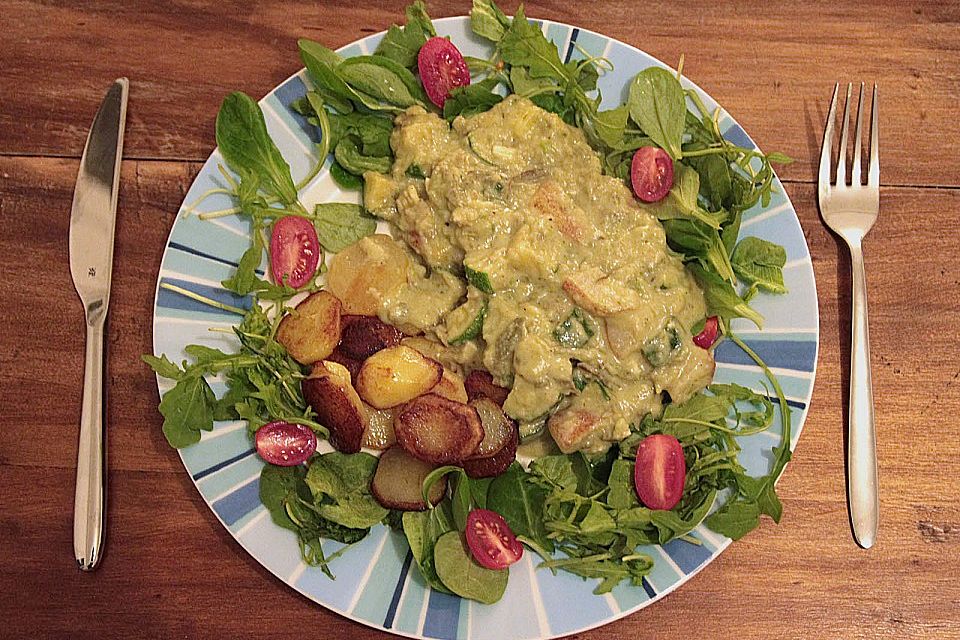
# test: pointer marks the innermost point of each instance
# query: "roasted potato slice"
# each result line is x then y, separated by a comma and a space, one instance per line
435, 429
451, 387
494, 465
363, 273
498, 449
311, 331
363, 336
329, 392
396, 375
479, 384
398, 481
352, 365
379, 433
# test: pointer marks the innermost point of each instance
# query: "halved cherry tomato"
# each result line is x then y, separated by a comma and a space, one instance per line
491, 541
708, 336
294, 251
660, 471
651, 173
285, 444
442, 68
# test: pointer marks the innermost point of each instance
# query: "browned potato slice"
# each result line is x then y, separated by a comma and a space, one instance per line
497, 427
329, 392
438, 430
398, 481
379, 433
479, 384
497, 463
312, 330
363, 273
451, 387
363, 336
498, 449
396, 375
352, 365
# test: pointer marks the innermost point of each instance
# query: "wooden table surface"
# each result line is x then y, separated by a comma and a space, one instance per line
172, 570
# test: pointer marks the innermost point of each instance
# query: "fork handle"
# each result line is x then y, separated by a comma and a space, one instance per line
89, 506
861, 446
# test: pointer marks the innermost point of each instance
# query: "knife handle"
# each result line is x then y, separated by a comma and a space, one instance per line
90, 501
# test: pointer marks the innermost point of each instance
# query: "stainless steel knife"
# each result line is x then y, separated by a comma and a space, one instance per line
91, 263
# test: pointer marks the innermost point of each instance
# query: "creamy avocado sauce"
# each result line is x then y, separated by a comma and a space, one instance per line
586, 312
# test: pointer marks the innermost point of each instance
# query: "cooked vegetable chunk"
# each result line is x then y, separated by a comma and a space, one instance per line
438, 430
396, 375
311, 331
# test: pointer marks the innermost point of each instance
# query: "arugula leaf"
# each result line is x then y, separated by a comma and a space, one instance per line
610, 125
735, 519
760, 263
488, 21
722, 299
187, 409
162, 366
524, 44
472, 99
402, 44
247, 147
340, 224
657, 105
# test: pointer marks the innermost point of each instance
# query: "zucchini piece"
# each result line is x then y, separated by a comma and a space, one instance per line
490, 152
665, 346
466, 321
575, 331
478, 279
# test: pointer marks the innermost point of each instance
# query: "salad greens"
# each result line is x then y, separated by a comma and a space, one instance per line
579, 512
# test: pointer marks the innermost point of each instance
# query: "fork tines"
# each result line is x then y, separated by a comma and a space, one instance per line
856, 172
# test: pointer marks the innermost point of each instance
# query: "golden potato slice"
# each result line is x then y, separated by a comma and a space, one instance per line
329, 392
396, 375
479, 384
451, 387
398, 481
311, 331
379, 433
438, 430
363, 273
363, 336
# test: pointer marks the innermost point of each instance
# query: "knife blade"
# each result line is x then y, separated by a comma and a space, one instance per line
92, 222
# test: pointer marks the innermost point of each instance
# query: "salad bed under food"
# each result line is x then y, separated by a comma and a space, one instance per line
554, 284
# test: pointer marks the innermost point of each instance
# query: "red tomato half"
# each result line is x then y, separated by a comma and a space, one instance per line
294, 251
708, 336
651, 173
442, 68
660, 471
285, 444
491, 541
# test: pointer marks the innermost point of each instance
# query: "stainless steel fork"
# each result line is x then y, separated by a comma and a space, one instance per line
850, 211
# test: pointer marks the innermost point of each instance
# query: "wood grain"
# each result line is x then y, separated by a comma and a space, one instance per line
171, 569
771, 64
